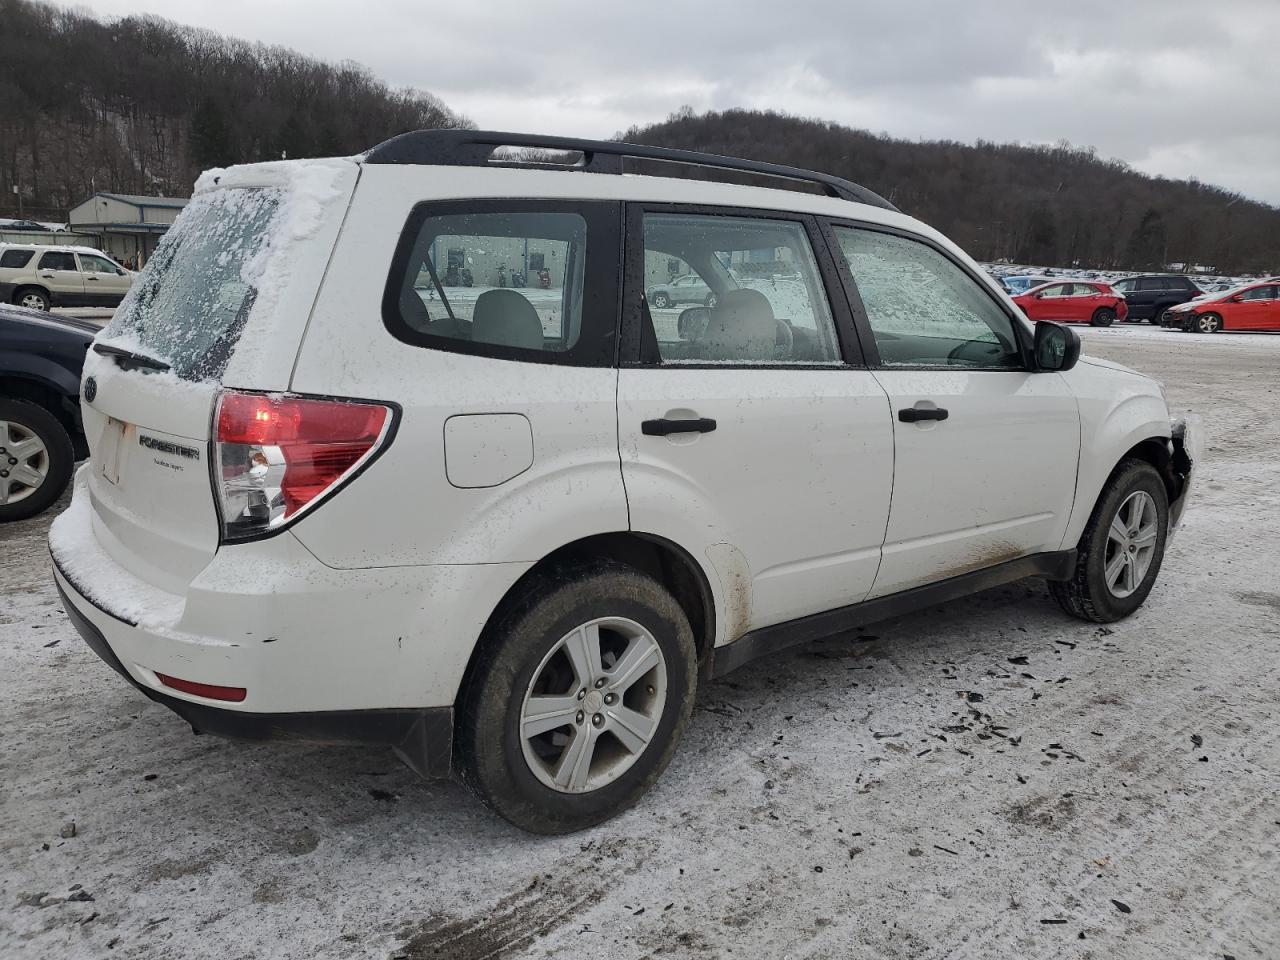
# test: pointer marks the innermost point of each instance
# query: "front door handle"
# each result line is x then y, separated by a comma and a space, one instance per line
661, 428
916, 414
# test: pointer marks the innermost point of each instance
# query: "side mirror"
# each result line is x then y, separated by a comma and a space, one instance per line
1238, 298
1057, 347
1039, 296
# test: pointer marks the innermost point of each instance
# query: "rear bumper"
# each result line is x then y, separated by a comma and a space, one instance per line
421, 737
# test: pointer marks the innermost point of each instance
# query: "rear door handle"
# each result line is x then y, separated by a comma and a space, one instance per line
916, 414
661, 428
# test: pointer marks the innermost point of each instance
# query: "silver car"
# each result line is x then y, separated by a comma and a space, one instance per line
689, 288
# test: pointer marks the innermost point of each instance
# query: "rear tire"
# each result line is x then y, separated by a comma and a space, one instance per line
36, 459
33, 298
1121, 549
1103, 317
531, 657
661, 301
1208, 323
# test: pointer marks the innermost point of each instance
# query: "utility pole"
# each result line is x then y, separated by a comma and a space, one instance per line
18, 190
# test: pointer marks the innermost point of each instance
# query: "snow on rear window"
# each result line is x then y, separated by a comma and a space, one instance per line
190, 303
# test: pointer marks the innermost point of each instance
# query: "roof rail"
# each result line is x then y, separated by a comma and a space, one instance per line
474, 148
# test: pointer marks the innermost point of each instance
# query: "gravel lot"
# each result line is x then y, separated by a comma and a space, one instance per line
984, 779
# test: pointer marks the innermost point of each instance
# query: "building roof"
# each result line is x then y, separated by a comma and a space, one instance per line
139, 201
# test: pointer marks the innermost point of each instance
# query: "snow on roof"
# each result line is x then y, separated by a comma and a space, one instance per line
140, 201
58, 248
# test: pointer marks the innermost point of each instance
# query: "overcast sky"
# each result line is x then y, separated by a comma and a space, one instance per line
1175, 88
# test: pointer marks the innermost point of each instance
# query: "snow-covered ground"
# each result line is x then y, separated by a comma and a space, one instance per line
982, 779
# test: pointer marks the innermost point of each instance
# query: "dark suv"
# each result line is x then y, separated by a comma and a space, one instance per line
41, 435
1150, 296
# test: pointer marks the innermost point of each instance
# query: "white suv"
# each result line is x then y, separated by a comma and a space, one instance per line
38, 277
507, 530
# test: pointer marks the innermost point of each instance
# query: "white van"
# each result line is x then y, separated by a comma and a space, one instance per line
507, 531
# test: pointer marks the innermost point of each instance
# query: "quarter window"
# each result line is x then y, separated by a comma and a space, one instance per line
14, 259
501, 282
923, 309
58, 261
759, 294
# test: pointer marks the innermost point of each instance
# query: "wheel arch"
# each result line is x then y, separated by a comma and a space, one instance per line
51, 396
18, 289
658, 557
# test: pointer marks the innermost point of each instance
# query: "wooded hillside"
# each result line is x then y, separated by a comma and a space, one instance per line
1057, 205
142, 105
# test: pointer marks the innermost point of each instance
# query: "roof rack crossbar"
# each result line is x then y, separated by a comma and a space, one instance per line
474, 148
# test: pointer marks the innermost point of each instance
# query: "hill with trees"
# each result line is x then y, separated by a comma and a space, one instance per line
142, 105
1052, 205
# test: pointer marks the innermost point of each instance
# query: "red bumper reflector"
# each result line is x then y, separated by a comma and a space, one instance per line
208, 690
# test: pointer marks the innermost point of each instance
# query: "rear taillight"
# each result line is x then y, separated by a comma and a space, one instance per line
276, 456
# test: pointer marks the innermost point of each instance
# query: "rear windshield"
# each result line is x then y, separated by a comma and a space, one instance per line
190, 303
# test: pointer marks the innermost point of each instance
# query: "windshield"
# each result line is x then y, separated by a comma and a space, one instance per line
189, 305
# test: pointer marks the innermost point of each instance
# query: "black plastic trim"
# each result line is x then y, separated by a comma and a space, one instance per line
1057, 565
474, 148
596, 346
422, 736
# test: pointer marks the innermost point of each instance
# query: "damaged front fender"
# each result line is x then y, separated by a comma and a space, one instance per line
1187, 439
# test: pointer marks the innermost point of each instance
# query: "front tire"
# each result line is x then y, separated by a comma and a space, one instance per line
661, 301
1208, 323
1103, 317
1121, 549
36, 459
577, 699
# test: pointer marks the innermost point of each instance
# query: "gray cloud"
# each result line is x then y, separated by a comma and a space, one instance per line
1174, 89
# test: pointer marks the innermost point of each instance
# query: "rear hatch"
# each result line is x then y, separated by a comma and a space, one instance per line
223, 302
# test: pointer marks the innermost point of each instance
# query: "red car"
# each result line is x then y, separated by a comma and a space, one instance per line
1253, 307
1074, 301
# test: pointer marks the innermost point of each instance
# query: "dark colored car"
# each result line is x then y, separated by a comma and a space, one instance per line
1150, 295
41, 436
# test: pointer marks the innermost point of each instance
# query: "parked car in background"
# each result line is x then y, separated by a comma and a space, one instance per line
1252, 307
617, 512
39, 277
689, 288
40, 430
1074, 301
1019, 285
1150, 295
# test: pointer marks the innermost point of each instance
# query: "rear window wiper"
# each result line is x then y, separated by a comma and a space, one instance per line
128, 360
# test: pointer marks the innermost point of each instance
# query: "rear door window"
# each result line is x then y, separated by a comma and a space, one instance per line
761, 293
1153, 283
190, 303
54, 260
520, 280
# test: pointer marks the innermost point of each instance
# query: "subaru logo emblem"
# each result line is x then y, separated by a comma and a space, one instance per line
90, 389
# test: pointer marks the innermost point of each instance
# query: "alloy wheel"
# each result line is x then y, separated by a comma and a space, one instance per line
593, 705
24, 462
33, 301
1131, 543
